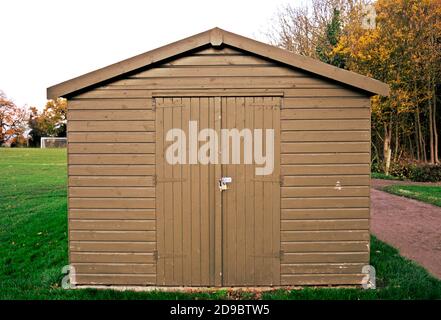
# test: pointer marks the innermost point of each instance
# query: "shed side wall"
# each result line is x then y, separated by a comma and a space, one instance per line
325, 134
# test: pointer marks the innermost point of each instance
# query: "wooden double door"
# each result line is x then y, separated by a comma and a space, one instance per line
206, 236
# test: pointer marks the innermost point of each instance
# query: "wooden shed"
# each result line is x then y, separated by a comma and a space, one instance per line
136, 219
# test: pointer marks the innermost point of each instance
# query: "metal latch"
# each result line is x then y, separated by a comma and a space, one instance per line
224, 182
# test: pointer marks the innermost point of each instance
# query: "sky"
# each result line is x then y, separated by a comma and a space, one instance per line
45, 42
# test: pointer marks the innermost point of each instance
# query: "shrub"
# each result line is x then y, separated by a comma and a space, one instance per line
400, 169
408, 169
425, 172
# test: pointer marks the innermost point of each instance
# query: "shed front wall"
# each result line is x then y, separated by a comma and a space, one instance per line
325, 167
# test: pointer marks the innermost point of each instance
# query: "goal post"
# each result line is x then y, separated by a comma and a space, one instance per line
51, 142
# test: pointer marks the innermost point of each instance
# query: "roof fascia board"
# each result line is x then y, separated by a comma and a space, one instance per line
307, 63
216, 37
128, 65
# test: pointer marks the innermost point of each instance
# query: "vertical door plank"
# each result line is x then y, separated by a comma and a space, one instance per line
177, 202
258, 198
218, 201
195, 208
212, 195
249, 205
239, 186
186, 196
160, 234
267, 202
204, 197
168, 205
276, 193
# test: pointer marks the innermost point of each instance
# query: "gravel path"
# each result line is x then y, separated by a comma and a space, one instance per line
411, 226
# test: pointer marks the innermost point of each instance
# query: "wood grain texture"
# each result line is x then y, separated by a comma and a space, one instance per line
122, 209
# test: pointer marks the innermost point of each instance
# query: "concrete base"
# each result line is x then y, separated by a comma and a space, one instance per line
199, 289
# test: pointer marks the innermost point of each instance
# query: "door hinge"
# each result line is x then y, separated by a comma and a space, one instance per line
155, 255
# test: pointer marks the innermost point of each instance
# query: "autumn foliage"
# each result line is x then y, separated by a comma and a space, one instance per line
403, 49
12, 121
51, 122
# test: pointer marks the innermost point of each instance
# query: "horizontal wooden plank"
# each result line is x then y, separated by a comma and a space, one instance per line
126, 235
337, 224
315, 114
325, 158
110, 125
319, 92
110, 115
324, 136
313, 125
110, 181
326, 213
96, 214
109, 104
111, 159
117, 225
334, 268
115, 268
112, 192
324, 147
331, 202
328, 102
326, 246
223, 60
103, 203
111, 148
324, 235
116, 93
218, 50
225, 71
322, 279
111, 257
325, 169
115, 279
342, 180
236, 82
103, 170
110, 137
326, 257
111, 246
120, 94
305, 192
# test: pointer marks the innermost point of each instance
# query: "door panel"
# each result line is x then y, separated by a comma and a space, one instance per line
251, 206
186, 198
206, 237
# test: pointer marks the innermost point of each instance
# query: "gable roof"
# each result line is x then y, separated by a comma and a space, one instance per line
217, 37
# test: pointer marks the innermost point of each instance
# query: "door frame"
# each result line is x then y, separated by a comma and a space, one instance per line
216, 224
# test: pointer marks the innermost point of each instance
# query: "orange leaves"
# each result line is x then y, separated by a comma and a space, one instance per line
51, 122
12, 119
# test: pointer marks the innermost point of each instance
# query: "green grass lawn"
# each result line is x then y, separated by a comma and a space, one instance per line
33, 244
429, 194
379, 175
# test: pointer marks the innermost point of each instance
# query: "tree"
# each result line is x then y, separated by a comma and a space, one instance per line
12, 120
302, 29
403, 50
51, 122
326, 45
